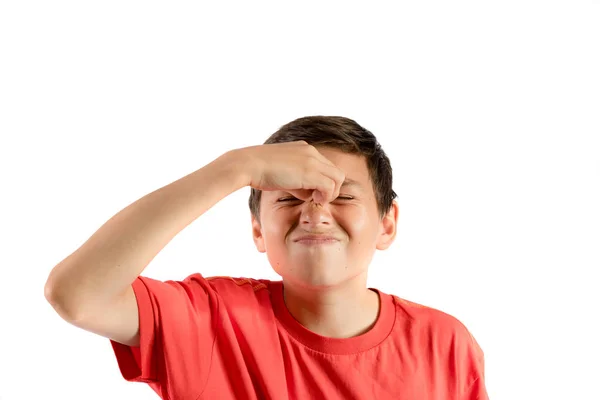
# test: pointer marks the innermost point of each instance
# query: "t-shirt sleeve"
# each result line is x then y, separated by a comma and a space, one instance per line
475, 369
177, 332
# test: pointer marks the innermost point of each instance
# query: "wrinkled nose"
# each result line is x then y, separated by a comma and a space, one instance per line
315, 214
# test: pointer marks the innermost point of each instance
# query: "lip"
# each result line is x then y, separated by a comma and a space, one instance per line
316, 239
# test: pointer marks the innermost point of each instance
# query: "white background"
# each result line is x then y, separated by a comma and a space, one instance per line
490, 114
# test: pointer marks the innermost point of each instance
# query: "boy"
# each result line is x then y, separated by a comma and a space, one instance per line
321, 204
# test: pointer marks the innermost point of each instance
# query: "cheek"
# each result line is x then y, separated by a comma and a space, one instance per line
361, 227
355, 219
276, 229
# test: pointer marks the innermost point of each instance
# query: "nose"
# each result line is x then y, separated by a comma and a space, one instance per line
314, 214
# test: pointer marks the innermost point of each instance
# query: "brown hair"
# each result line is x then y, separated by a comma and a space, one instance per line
343, 134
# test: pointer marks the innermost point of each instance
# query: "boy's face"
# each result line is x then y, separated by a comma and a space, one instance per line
354, 223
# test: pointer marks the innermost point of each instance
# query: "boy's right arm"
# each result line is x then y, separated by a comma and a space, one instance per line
92, 288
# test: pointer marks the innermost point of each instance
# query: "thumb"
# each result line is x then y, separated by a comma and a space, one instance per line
302, 194
318, 197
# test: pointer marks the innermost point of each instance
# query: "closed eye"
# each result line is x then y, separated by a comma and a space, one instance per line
287, 199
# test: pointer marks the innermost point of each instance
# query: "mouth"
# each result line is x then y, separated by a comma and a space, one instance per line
316, 241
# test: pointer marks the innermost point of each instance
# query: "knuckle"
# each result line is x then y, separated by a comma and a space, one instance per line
310, 148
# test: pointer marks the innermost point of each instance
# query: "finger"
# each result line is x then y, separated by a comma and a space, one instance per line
316, 186
308, 194
332, 171
318, 197
302, 194
337, 176
326, 188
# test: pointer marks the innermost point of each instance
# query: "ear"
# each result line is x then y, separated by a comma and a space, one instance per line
388, 225
257, 235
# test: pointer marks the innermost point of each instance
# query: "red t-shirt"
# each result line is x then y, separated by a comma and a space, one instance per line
234, 338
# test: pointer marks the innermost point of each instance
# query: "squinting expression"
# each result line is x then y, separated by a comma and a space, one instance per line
323, 245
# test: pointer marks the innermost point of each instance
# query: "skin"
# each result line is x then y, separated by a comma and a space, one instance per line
325, 286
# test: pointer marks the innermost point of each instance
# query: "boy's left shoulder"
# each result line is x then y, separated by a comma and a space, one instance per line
434, 320
443, 337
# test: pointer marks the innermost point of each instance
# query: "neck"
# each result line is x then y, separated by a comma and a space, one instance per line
342, 311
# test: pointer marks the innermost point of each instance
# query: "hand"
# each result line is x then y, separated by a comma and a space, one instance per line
295, 167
